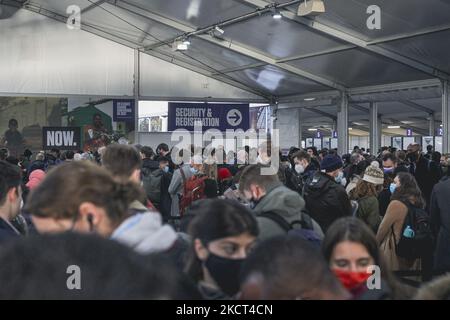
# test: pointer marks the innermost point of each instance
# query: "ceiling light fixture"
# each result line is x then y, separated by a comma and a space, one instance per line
276, 14
187, 42
312, 129
393, 127
219, 30
311, 8
179, 45
309, 99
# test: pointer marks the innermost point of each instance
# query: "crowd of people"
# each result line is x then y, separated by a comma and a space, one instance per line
144, 223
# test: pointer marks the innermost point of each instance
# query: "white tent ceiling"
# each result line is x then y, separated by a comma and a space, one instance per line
290, 59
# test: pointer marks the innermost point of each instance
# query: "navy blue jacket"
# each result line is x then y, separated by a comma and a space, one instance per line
6, 232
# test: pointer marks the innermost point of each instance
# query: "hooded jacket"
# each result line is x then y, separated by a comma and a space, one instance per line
282, 201
145, 233
326, 200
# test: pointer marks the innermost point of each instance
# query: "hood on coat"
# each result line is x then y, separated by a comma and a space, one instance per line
145, 233
282, 200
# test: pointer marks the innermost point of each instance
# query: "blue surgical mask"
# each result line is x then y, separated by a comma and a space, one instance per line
388, 170
166, 169
392, 187
193, 170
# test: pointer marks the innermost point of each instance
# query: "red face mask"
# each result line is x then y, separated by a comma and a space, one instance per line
351, 280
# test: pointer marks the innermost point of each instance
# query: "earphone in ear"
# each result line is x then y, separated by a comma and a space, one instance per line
90, 219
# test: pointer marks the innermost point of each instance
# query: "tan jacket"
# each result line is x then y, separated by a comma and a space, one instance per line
391, 225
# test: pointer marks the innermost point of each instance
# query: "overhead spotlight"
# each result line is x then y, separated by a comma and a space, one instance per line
276, 14
186, 41
350, 129
219, 30
311, 8
179, 45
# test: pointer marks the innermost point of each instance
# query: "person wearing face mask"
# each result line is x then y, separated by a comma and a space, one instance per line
289, 268
176, 184
391, 164
162, 150
440, 224
165, 198
268, 197
366, 194
405, 192
350, 249
10, 200
303, 170
425, 171
223, 233
326, 199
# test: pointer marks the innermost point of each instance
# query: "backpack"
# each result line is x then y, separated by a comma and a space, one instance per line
152, 184
193, 189
420, 241
306, 232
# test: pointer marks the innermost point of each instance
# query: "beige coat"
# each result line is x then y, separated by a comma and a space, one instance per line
391, 224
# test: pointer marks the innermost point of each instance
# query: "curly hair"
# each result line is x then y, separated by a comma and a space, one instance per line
364, 189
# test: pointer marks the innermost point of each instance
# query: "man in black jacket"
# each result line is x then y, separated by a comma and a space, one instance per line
303, 170
10, 200
440, 224
326, 199
425, 171
149, 164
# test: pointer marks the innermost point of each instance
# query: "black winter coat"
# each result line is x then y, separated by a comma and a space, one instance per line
326, 200
440, 223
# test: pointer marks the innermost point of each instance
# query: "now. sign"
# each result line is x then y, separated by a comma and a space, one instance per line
65, 138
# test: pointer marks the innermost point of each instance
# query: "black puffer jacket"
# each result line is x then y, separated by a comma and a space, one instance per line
326, 200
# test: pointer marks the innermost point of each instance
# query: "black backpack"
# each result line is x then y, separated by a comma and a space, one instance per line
152, 184
306, 231
421, 244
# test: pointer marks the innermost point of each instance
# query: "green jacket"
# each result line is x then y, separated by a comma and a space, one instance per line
368, 212
282, 201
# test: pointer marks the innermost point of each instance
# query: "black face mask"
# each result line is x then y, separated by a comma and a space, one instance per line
225, 272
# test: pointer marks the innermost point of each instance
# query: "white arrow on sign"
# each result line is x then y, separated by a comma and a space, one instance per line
234, 117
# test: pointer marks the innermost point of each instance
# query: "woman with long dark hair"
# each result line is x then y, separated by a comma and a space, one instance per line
405, 193
351, 249
222, 234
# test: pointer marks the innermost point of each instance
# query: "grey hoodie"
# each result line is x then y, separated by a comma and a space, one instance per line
145, 233
284, 202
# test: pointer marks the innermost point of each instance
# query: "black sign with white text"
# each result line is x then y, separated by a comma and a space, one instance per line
65, 138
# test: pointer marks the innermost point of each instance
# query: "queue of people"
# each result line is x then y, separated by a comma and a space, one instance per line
316, 226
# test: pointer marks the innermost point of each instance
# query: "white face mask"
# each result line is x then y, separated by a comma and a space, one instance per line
339, 177
299, 168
